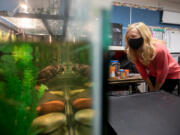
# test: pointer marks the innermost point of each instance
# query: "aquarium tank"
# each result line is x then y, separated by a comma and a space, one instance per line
53, 67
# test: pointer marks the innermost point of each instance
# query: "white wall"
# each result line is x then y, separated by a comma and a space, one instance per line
170, 5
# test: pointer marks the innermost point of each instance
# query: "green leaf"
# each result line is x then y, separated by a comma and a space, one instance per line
42, 90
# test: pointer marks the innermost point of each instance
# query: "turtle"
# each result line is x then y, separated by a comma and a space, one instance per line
82, 69
49, 72
85, 70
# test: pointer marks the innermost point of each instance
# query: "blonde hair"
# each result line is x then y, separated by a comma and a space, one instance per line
147, 52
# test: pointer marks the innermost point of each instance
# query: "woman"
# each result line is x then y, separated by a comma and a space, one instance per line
151, 58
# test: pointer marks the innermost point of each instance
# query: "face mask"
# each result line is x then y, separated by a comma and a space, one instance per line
135, 43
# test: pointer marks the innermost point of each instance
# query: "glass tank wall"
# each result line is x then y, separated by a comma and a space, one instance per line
51, 67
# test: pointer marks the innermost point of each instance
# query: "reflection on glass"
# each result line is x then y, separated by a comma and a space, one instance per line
46, 82
28, 25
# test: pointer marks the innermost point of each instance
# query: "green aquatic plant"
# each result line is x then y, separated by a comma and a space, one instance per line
80, 53
18, 97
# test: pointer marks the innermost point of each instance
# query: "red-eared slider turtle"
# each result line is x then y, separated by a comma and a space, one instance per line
82, 69
49, 72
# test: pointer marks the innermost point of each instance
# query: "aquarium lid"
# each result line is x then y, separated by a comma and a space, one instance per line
35, 26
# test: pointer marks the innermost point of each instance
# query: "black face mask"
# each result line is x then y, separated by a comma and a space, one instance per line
135, 43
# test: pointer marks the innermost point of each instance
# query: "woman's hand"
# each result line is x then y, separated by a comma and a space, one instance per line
152, 88
157, 87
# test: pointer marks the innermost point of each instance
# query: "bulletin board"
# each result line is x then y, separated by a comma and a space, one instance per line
174, 41
157, 33
170, 36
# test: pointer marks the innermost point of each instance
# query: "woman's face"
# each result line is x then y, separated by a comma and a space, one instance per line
135, 41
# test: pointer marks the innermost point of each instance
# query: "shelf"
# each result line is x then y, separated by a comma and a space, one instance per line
116, 48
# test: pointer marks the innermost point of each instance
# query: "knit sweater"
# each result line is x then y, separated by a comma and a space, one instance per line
163, 66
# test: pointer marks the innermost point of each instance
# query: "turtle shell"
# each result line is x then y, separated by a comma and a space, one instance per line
49, 72
85, 70
82, 69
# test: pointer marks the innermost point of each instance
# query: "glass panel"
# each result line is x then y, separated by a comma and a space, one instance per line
51, 69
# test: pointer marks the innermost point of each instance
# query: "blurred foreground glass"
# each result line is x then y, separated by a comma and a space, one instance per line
51, 68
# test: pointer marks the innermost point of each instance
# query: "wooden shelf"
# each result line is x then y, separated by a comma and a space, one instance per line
132, 79
116, 48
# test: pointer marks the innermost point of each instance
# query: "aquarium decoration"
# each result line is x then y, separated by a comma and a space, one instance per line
18, 97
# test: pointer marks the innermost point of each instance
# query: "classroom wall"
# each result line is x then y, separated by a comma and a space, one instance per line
127, 15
